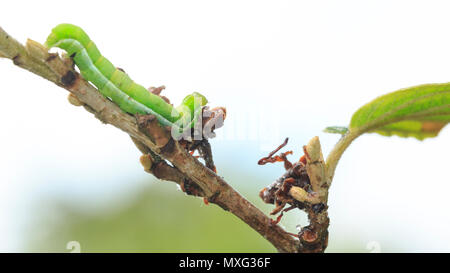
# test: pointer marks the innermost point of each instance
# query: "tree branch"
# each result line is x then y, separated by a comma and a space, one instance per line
150, 137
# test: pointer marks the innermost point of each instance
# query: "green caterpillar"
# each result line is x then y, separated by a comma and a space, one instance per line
118, 86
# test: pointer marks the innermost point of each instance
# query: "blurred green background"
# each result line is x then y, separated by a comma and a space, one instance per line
156, 217
160, 219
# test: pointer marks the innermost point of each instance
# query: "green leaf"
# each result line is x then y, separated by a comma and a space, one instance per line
419, 111
417, 129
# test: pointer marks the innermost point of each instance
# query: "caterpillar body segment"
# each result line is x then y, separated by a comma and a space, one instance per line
117, 85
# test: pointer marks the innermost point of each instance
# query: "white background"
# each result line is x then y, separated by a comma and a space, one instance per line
298, 66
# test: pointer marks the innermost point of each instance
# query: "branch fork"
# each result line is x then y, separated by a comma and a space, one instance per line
303, 186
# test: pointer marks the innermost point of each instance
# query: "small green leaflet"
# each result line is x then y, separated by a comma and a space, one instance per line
336, 130
419, 111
